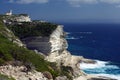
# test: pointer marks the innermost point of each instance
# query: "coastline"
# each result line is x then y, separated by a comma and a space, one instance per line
54, 47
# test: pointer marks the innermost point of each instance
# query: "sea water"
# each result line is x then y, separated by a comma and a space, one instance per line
100, 42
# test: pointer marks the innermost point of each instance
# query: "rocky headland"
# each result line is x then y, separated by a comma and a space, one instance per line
53, 47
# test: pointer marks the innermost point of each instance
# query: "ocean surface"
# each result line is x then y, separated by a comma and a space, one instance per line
100, 42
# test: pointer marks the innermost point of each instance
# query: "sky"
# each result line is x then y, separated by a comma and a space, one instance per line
80, 11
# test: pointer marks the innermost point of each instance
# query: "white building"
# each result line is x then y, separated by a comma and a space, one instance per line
16, 17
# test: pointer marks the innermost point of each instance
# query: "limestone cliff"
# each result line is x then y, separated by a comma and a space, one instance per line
57, 40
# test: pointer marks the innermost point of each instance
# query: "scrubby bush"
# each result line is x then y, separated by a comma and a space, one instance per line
67, 71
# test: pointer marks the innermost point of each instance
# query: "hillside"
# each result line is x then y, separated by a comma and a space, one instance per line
12, 53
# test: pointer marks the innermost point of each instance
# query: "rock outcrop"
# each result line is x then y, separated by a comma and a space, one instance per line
18, 73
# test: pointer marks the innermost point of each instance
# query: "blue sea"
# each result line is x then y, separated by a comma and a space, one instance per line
100, 42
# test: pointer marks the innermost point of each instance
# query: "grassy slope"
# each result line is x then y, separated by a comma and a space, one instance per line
10, 51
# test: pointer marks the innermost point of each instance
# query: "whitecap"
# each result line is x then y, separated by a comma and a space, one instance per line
101, 68
68, 33
98, 64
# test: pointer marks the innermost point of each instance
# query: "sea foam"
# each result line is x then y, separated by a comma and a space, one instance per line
102, 68
98, 64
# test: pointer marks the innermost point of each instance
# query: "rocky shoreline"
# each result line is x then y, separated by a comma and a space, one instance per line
19, 73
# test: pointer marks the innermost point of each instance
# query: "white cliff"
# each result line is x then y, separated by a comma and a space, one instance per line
57, 40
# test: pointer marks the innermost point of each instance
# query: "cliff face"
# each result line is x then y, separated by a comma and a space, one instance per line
55, 47
57, 40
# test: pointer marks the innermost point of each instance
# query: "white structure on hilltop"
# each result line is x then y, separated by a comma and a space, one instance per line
22, 18
16, 17
9, 13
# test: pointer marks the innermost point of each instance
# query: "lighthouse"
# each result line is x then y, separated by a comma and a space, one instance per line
9, 13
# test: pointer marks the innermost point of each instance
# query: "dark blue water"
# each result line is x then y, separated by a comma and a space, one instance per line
95, 41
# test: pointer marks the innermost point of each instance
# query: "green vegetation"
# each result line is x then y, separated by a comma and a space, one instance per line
66, 70
11, 52
28, 29
3, 77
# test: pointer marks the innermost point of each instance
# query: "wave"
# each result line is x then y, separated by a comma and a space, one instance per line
68, 33
98, 64
102, 68
71, 38
79, 32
